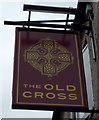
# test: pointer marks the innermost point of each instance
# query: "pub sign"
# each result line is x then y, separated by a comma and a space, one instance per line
48, 70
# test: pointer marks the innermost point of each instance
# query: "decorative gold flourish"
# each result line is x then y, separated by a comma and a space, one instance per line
49, 57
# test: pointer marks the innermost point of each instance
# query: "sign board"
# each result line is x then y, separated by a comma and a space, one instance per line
48, 70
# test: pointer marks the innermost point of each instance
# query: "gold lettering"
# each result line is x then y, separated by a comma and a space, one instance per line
57, 88
50, 95
38, 86
61, 96
25, 85
72, 97
27, 94
38, 94
48, 87
31, 86
71, 88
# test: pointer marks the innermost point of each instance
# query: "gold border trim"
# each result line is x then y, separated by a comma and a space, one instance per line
18, 67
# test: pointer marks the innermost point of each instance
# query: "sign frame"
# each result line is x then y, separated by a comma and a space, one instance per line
16, 105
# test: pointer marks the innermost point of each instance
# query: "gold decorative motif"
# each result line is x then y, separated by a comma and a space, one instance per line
49, 57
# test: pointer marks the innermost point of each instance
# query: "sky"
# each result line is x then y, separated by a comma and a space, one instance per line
13, 11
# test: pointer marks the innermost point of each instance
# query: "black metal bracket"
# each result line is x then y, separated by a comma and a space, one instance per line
41, 24
91, 31
93, 39
59, 10
44, 23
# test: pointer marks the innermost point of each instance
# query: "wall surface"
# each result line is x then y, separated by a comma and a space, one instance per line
95, 66
86, 38
98, 54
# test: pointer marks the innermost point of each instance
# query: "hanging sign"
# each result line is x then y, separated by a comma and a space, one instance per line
48, 70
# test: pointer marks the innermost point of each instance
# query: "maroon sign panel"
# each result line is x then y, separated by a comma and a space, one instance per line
48, 70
